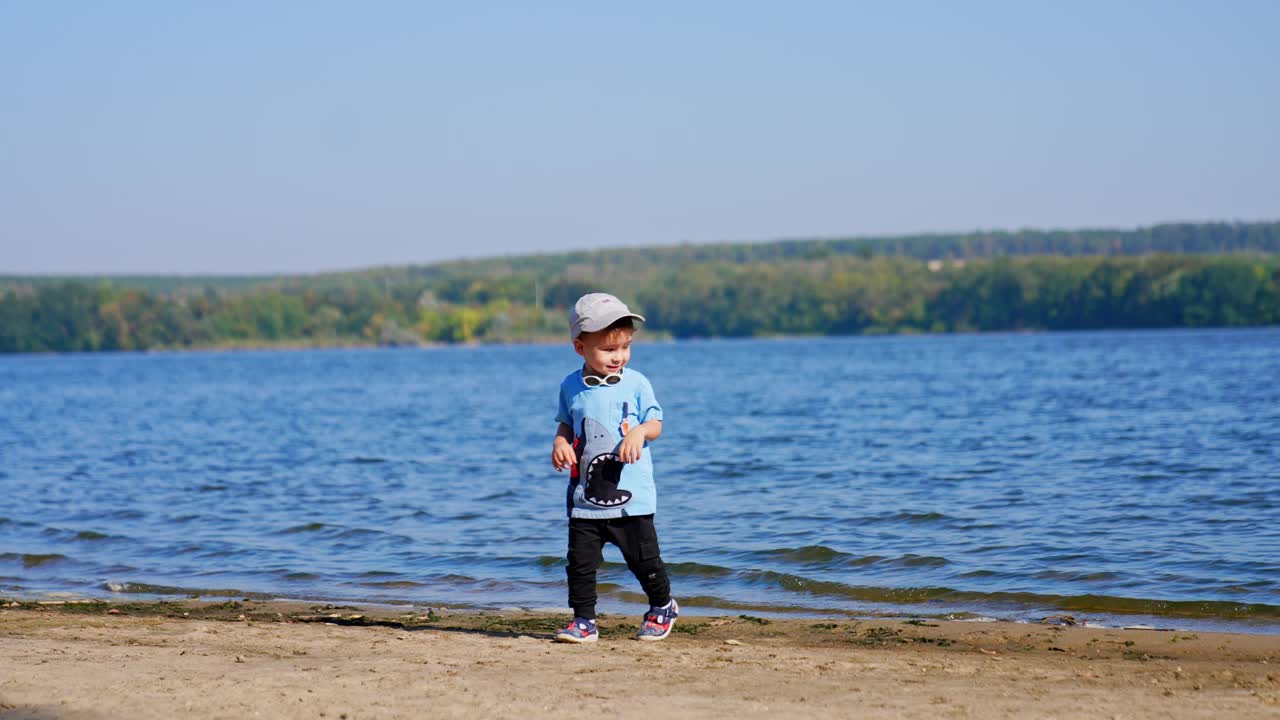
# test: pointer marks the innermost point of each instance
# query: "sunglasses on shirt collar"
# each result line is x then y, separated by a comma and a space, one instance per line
595, 381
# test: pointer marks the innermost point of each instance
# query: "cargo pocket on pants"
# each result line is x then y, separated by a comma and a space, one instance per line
648, 550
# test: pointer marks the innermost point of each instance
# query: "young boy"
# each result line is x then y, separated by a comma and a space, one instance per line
608, 415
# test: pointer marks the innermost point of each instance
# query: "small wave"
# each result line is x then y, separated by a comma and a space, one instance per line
921, 517
453, 578
211, 488
390, 584
1073, 603
805, 554
724, 471
550, 560
1244, 520
698, 569
1245, 588
1067, 557
367, 533
796, 583
500, 496
985, 470
33, 560
378, 573
1187, 608
720, 603
799, 583
1117, 605
906, 516
1239, 502
131, 588
1072, 576
913, 560
977, 526
299, 576
361, 460
309, 527
91, 535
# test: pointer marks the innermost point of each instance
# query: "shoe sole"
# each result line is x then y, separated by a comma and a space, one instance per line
576, 640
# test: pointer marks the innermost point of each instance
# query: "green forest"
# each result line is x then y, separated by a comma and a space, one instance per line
1187, 275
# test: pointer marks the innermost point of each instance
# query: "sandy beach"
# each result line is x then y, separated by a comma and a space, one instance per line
287, 660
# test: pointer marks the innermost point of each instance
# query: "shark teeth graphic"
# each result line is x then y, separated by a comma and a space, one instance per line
610, 503
613, 497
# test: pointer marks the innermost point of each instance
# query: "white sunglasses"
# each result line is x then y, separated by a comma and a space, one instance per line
593, 381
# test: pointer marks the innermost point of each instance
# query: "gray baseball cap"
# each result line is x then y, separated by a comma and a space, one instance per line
597, 311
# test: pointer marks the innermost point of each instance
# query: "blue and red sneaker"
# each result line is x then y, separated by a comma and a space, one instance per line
581, 630
659, 621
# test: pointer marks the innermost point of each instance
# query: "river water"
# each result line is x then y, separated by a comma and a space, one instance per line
1120, 477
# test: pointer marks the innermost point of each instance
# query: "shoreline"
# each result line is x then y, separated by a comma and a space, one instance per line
695, 607
283, 659
651, 337
1083, 611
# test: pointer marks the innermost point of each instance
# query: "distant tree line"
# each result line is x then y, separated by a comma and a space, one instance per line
841, 294
629, 269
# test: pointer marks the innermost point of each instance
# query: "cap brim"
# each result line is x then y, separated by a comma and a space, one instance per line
600, 323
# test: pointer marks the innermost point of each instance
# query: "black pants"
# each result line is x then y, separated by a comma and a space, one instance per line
636, 537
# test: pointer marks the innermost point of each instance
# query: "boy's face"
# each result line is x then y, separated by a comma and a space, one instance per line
605, 352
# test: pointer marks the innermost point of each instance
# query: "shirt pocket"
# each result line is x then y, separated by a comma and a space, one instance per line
623, 416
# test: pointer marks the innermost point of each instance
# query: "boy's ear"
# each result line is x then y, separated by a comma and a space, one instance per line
579, 347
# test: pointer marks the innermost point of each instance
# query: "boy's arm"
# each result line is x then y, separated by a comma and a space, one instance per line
562, 454
633, 444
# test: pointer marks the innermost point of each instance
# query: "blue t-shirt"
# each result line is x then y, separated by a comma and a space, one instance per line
602, 486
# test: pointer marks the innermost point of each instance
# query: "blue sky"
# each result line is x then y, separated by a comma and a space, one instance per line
283, 136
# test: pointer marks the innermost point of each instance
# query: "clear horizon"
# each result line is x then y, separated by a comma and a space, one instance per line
361, 268
243, 139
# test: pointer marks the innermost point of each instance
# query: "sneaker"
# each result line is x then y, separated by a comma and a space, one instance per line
659, 621
581, 630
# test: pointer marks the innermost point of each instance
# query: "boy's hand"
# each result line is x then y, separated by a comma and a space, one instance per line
632, 446
562, 455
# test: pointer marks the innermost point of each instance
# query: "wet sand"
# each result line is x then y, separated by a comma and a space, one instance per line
288, 660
